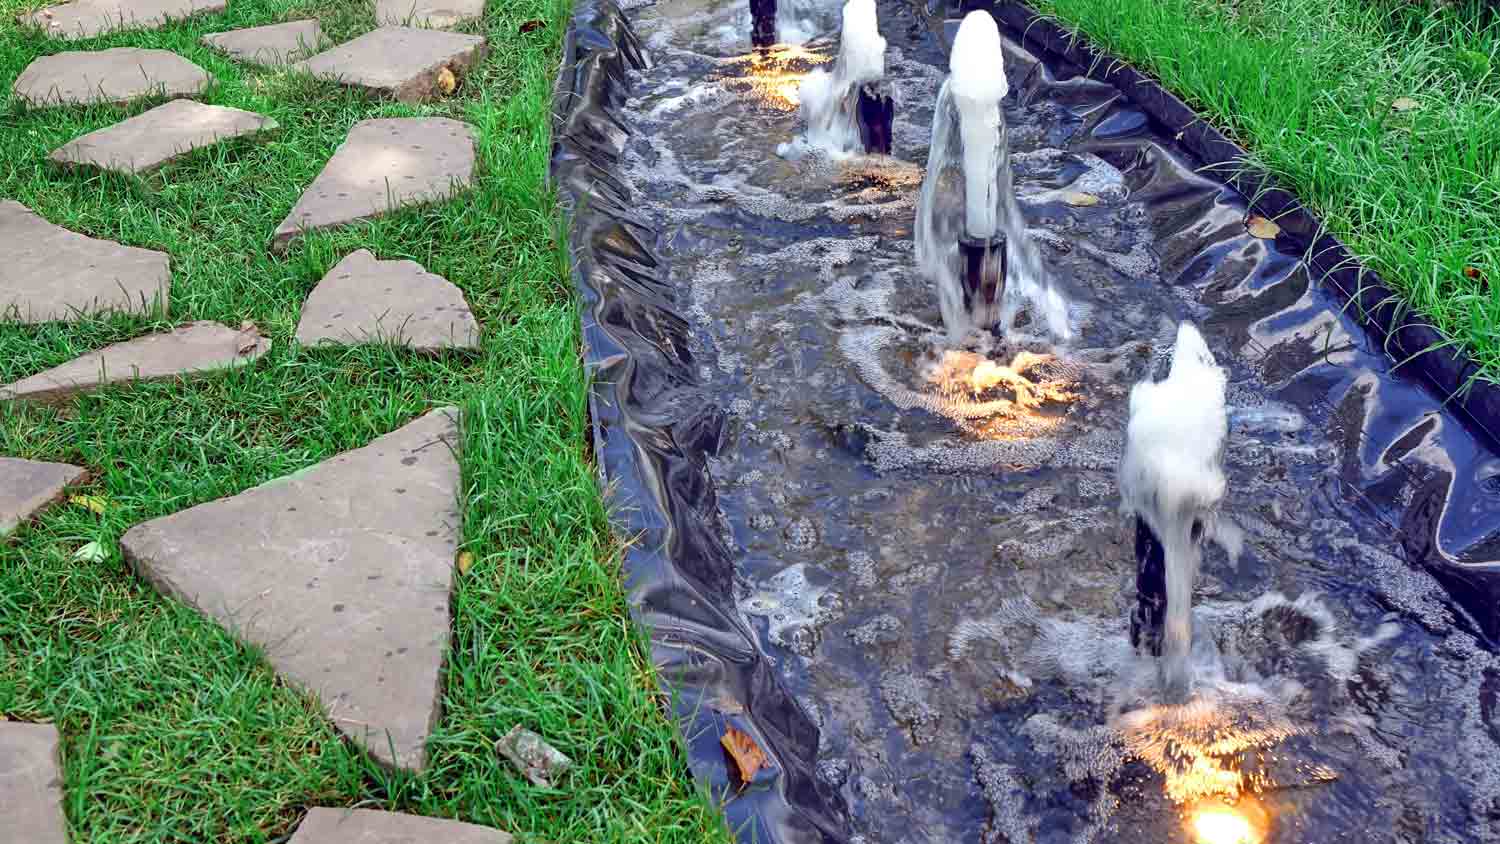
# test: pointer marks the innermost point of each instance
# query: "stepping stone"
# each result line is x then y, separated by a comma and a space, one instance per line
88, 18
117, 75
365, 300
371, 826
272, 46
192, 349
171, 130
26, 488
341, 573
383, 165
402, 62
437, 14
48, 273
31, 785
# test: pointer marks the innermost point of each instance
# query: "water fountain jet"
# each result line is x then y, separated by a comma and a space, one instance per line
1171, 481
971, 239
851, 108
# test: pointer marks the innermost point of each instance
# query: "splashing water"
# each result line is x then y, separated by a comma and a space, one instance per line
967, 194
830, 100
1172, 479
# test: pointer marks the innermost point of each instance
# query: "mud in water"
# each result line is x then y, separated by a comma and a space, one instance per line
927, 538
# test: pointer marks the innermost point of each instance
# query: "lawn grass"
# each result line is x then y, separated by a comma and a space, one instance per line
1308, 86
172, 731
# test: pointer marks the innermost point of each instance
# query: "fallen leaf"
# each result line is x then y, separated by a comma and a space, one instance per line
91, 552
446, 81
1262, 228
465, 560
1404, 104
92, 502
535, 758
747, 755
1080, 200
532, 26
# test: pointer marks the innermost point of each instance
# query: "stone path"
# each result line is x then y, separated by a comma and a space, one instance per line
169, 131
405, 63
28, 486
88, 18
437, 14
383, 165
31, 785
193, 349
369, 826
117, 75
367, 300
49, 273
341, 573
271, 46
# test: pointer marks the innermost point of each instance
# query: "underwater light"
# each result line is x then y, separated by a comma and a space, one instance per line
1220, 823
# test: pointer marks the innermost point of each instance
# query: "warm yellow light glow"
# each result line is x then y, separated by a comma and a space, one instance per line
1220, 823
775, 75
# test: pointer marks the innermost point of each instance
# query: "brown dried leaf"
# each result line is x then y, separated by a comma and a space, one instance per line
1080, 200
747, 755
1404, 104
446, 81
1262, 228
532, 26
465, 561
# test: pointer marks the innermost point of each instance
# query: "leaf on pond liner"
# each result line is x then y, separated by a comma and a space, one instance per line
1262, 228
1078, 199
746, 754
533, 756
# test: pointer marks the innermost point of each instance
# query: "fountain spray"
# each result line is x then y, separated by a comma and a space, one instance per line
1171, 481
851, 107
977, 251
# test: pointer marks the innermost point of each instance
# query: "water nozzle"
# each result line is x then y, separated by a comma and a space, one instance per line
984, 269
762, 24
875, 112
1150, 611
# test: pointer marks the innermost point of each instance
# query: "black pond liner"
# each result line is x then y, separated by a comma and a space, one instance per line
1381, 454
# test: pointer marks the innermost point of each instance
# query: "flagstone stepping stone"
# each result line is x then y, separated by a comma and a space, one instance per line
48, 273
384, 164
193, 349
117, 75
438, 14
340, 573
272, 46
402, 62
88, 18
171, 130
26, 488
372, 826
365, 300
31, 785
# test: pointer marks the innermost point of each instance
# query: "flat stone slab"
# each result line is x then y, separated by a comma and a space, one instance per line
28, 486
117, 75
271, 46
384, 164
341, 573
48, 273
88, 18
402, 62
31, 785
371, 826
193, 349
171, 130
365, 300
437, 14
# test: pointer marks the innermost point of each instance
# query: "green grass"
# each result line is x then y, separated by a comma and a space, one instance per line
1307, 87
172, 731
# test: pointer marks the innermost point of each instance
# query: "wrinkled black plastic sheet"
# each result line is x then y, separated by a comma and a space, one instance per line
1422, 431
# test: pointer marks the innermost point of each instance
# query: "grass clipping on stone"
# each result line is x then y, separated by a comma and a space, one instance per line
171, 730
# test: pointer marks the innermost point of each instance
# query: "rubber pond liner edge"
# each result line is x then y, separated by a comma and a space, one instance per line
652, 436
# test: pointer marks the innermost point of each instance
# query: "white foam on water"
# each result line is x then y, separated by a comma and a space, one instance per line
794, 608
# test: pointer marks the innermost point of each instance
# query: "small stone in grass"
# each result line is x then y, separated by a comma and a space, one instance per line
1404, 104
538, 760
